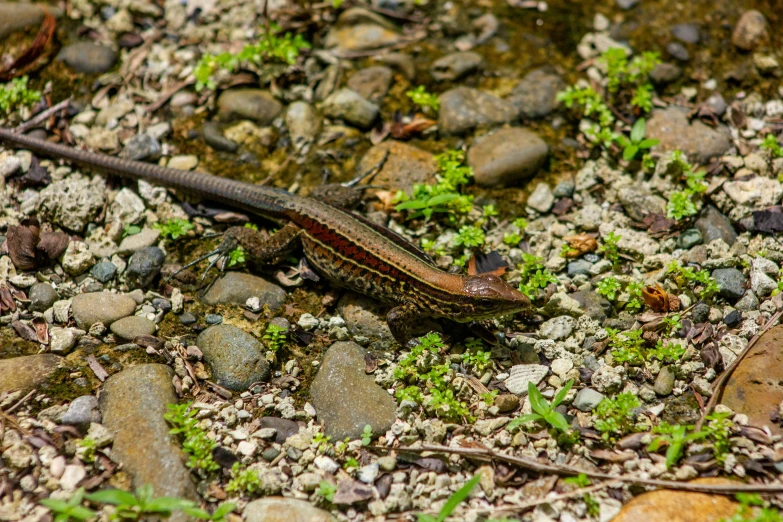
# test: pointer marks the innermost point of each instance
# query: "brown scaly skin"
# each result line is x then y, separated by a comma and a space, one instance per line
345, 248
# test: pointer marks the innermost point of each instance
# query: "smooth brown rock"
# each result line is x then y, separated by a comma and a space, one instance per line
404, 167
18, 15
133, 403
101, 307
463, 109
236, 288
507, 156
698, 141
679, 506
755, 387
752, 30
27, 372
279, 509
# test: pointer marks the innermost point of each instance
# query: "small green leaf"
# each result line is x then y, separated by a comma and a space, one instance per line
457, 497
223, 509
115, 497
537, 401
557, 420
414, 204
630, 152
441, 199
167, 504
54, 504
637, 131
561, 395
199, 513
648, 143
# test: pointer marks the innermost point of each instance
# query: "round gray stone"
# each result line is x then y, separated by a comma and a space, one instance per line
144, 265
82, 411
350, 106
88, 57
536, 94
697, 140
714, 225
235, 357
587, 399
280, 509
248, 104
463, 109
100, 307
507, 156
732, 282
345, 398
236, 288
128, 328
664, 383
42, 297
104, 271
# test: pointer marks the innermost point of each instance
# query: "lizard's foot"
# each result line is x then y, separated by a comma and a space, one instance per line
222, 252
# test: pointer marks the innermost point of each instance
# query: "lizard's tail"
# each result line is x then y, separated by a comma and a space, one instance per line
251, 198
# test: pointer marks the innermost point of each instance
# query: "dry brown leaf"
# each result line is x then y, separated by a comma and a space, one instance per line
656, 298
579, 245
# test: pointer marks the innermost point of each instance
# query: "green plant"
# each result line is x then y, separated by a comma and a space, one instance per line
236, 256
675, 438
512, 238
71, 509
609, 247
444, 196
327, 490
130, 230
615, 416
133, 507
534, 275
424, 99
627, 347
682, 202
475, 356
636, 142
451, 504
624, 75
470, 236
718, 432
194, 440
544, 411
440, 397
752, 508
322, 441
489, 211
609, 287
667, 352
704, 285
88, 448
244, 481
635, 299
582, 481
275, 337
219, 515
174, 228
16, 93
270, 48
771, 144
489, 397
366, 435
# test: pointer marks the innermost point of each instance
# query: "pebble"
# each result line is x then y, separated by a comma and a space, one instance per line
405, 165
681, 506
62, 340
236, 288
732, 282
215, 139
535, 96
522, 374
687, 33
678, 51
689, 238
541, 199
133, 403
77, 258
627, 4
104, 271
144, 239
665, 73
187, 318
42, 297
507, 157
15, 16
579, 267
371, 83
350, 106
664, 382
235, 357
280, 509
144, 266
751, 31
700, 312
587, 399
72, 202
303, 122
733, 319
72, 475
88, 57
463, 109
761, 284
28, 372
639, 202
557, 328
283, 428
213, 319
128, 328
345, 398
248, 104
714, 225
455, 65
183, 162
141, 147
364, 317
697, 140
506, 402
100, 307
82, 412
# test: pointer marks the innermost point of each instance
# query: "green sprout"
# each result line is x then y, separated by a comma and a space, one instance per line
327, 490
681, 203
71, 509
771, 144
366, 435
135, 507
275, 337
609, 248
609, 287
244, 481
615, 416
636, 142
451, 504
174, 228
534, 276
424, 99
236, 256
470, 236
195, 442
544, 411
16, 93
130, 230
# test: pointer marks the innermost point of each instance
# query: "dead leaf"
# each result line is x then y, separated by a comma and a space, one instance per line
579, 245
53, 244
403, 131
613, 456
370, 363
7, 299
21, 241
25, 331
96, 368
352, 492
656, 298
490, 263
21, 64
379, 133
41, 330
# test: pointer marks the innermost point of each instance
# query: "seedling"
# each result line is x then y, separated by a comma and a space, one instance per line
275, 337
16, 93
610, 249
637, 142
444, 197
609, 287
615, 416
327, 490
544, 411
174, 228
194, 440
424, 99
771, 144
244, 481
71, 509
366, 435
534, 275
133, 507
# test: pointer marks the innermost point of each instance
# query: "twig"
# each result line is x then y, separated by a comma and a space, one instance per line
41, 116
540, 467
20, 402
717, 388
348, 55
166, 96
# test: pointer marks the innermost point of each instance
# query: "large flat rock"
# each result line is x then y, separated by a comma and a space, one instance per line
27, 372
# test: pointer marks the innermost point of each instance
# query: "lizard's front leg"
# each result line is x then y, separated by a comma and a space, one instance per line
402, 322
260, 249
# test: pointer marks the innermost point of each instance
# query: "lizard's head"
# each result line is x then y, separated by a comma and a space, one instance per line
493, 297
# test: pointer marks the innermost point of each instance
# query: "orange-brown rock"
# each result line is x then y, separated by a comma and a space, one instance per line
679, 506
405, 166
756, 386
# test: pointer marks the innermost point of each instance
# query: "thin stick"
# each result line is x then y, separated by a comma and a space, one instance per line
540, 467
717, 388
41, 116
20, 402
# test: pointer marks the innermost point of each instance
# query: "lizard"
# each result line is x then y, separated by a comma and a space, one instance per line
344, 247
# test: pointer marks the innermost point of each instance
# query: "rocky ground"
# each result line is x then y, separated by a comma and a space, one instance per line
638, 209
